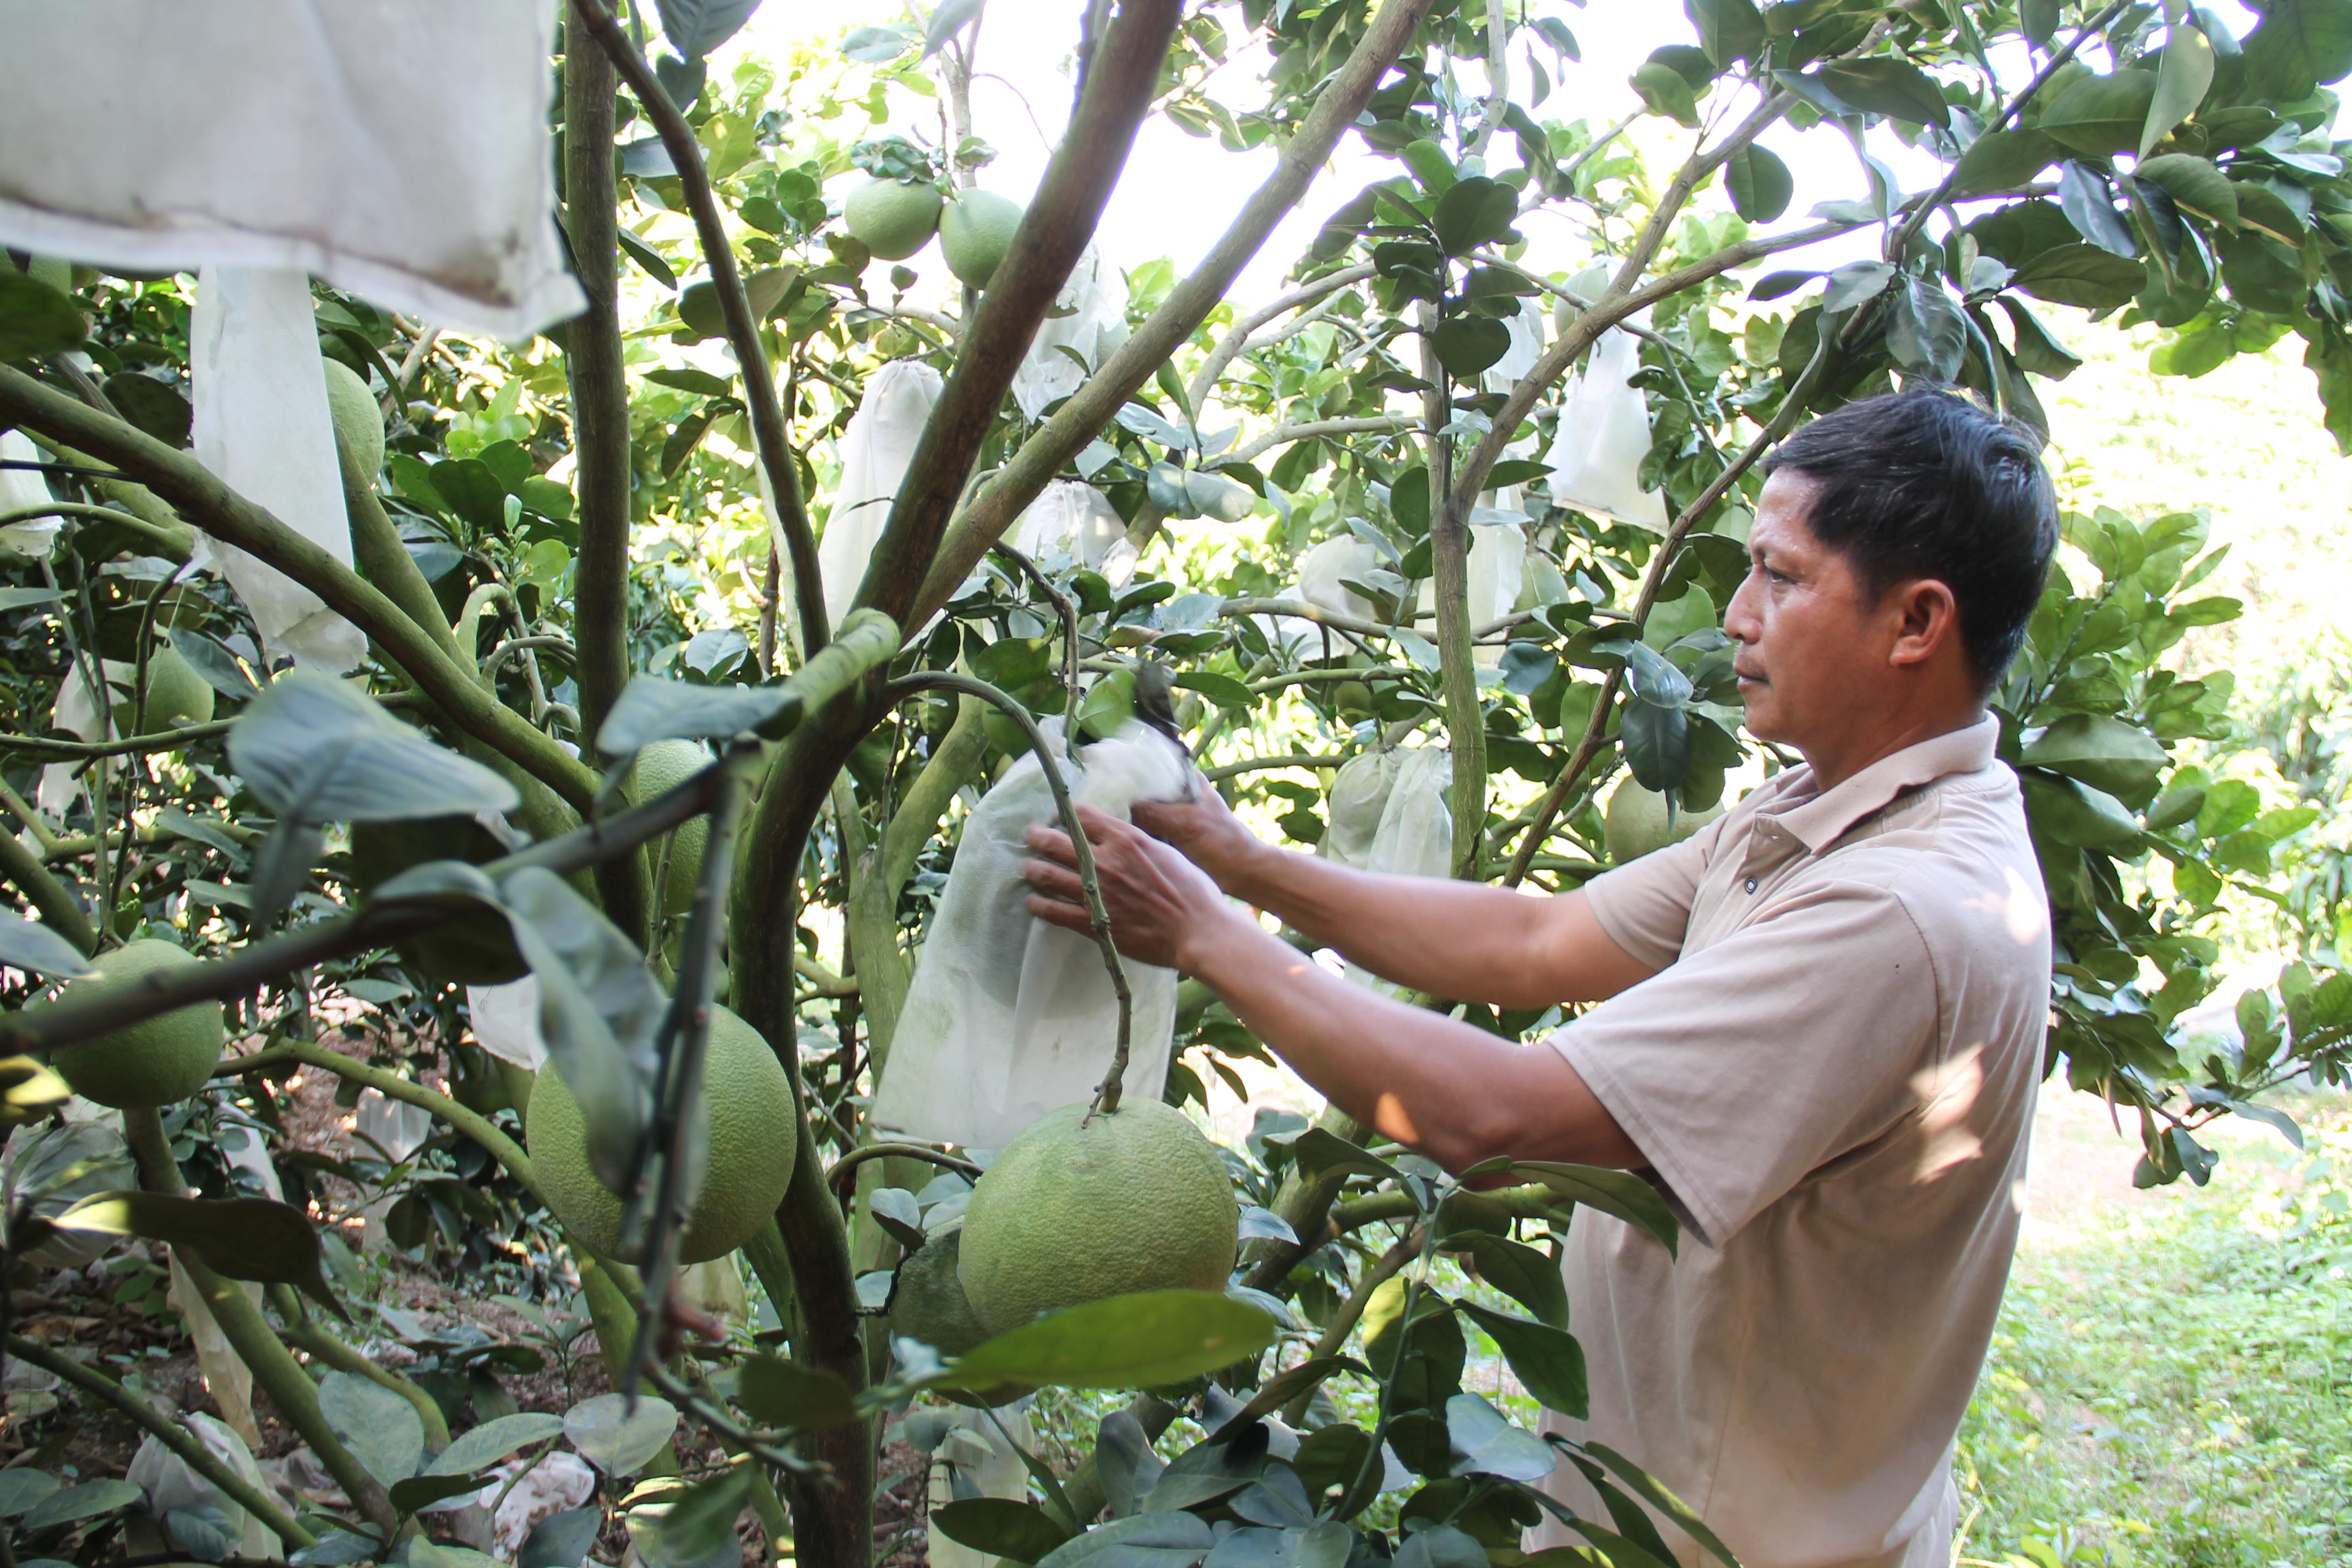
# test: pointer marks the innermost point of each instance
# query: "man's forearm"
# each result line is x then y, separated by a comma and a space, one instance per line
1461, 940
1446, 1089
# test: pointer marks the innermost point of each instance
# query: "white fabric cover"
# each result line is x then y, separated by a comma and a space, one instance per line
399, 148
1322, 572
1009, 1017
1604, 434
1389, 815
1090, 322
21, 488
976, 1459
1526, 347
876, 449
1073, 517
262, 427
171, 1482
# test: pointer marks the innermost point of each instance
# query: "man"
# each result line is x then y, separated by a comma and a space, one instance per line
1819, 1018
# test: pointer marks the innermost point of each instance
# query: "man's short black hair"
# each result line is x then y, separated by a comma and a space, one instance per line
1926, 483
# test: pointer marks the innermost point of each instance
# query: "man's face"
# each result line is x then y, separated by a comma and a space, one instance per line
1809, 643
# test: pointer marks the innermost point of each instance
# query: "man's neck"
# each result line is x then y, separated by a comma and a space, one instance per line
1833, 766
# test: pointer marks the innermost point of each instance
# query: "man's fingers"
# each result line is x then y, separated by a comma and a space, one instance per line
1057, 881
1053, 911
1101, 826
1052, 842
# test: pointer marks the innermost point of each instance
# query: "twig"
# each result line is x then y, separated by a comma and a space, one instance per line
859, 1155
1064, 608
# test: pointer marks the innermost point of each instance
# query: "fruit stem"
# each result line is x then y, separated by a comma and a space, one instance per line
1106, 1094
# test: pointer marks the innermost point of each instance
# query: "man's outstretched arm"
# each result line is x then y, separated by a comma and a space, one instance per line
1461, 940
1449, 1090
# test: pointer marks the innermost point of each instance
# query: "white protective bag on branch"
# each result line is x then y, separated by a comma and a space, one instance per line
876, 448
1497, 564
1009, 1017
1389, 815
21, 489
262, 427
1089, 321
1323, 573
401, 152
1603, 435
1073, 517
171, 1482
1526, 347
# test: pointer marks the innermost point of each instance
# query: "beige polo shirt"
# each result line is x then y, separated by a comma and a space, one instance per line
1832, 1074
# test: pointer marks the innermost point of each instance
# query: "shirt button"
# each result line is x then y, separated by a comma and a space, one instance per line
1749, 884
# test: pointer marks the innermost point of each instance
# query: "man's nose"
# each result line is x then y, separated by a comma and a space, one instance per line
1739, 622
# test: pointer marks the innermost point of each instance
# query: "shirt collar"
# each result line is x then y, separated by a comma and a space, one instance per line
1820, 820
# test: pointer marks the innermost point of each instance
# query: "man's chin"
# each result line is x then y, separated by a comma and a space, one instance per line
1759, 713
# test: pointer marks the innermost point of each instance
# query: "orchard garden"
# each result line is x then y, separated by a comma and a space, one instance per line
523, 1093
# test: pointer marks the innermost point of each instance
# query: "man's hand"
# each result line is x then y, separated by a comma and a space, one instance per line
1161, 904
1206, 831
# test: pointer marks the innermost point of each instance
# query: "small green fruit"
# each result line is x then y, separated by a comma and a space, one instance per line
892, 218
931, 1305
661, 768
1635, 823
753, 1143
358, 419
176, 694
156, 1061
1077, 1209
975, 232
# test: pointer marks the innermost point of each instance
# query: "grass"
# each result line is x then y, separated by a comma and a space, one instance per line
2168, 1383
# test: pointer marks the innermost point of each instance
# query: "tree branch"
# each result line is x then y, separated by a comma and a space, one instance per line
42, 890
735, 306
1083, 416
1237, 337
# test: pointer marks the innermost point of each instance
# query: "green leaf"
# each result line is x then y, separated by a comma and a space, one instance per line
1657, 742
74, 1504
381, 1429
1663, 90
1547, 1361
1467, 345
491, 1441
999, 1526
2001, 161
2195, 183
1215, 495
1316, 1150
1728, 30
418, 1493
472, 492
1281, 1389
1138, 1341
30, 945
2099, 116
1429, 166
339, 1549
694, 28
1619, 1193
1165, 1538
561, 1540
616, 1440
1484, 1442
2037, 351
1924, 330
1477, 211
1222, 689
2300, 44
2084, 276
1887, 86
2075, 813
2182, 76
703, 1517
245, 1239
1759, 182
1530, 1278
651, 709
22, 1487
778, 1393
1444, 1546
318, 749
2105, 752
35, 318
1650, 1491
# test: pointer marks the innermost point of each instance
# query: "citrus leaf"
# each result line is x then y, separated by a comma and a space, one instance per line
2001, 159
2182, 76
28, 944
615, 1440
1547, 1361
1162, 1540
1284, 1386
1138, 1341
245, 1239
1530, 1278
381, 1429
779, 1392
74, 1504
491, 1441
35, 318
1652, 1492
1759, 182
317, 748
1619, 1193
1021, 1532
418, 1493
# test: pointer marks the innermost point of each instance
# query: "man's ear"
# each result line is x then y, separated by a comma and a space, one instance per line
1927, 622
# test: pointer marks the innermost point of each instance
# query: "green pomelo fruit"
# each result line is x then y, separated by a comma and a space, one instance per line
892, 218
1635, 823
358, 418
661, 768
931, 1305
176, 694
975, 231
477, 948
748, 1108
1076, 1210
155, 1061
1352, 696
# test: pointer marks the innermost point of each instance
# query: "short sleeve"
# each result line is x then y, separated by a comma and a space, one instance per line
1644, 905
1742, 1068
